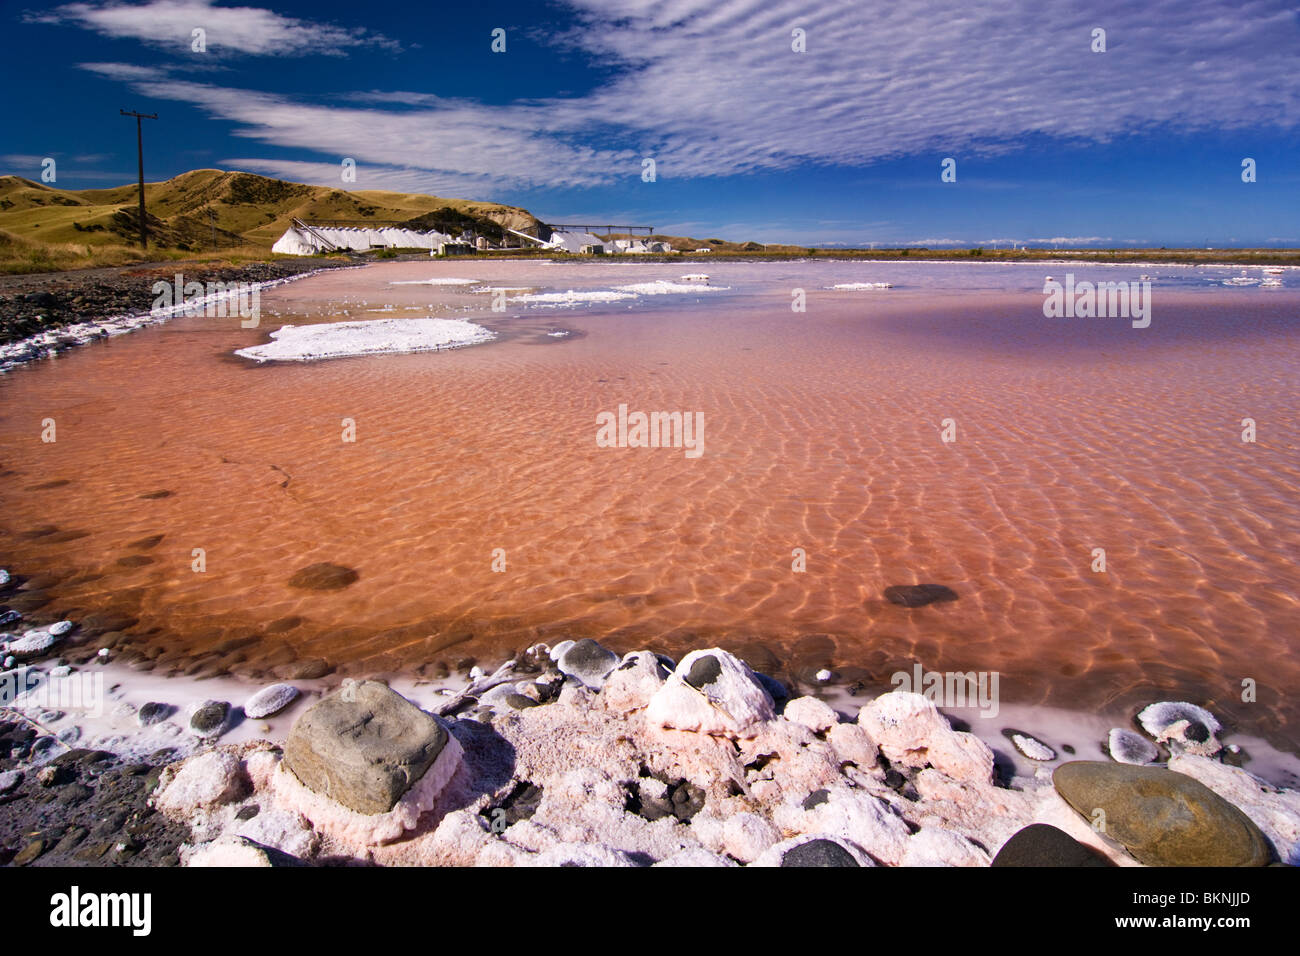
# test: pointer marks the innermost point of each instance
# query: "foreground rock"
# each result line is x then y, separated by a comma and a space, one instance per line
1162, 818
1040, 844
361, 752
910, 731
711, 692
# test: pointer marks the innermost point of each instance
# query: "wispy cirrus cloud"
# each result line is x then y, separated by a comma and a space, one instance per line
227, 30
715, 90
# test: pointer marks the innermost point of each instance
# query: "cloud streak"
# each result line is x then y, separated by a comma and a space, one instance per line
169, 24
713, 89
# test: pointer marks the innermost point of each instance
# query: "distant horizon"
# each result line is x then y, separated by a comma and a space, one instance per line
993, 245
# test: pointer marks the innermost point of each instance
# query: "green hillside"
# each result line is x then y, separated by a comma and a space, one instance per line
205, 211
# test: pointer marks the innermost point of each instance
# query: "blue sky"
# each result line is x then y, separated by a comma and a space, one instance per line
842, 143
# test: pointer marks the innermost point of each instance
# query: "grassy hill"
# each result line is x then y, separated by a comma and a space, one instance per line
205, 211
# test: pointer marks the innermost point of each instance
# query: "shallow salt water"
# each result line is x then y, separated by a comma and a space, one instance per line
822, 432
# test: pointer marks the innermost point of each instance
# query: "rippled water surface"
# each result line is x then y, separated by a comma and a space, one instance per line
822, 433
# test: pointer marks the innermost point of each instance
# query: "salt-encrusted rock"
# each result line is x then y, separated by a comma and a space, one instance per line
1185, 727
59, 628
208, 780
210, 718
816, 715
853, 745
559, 650
711, 692
909, 730
855, 815
818, 849
633, 682
1162, 818
1040, 844
153, 712
270, 700
236, 851
579, 854
747, 835
1128, 746
363, 746
10, 779
936, 846
33, 643
695, 856
1032, 748
284, 830
9, 617
4, 577
1274, 810
588, 662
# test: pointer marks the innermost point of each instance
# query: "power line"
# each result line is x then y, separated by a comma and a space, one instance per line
139, 146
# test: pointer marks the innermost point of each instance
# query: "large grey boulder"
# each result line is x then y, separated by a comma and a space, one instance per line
1162, 818
363, 746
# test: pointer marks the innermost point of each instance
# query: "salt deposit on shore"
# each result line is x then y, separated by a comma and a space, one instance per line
575, 755
305, 343
50, 343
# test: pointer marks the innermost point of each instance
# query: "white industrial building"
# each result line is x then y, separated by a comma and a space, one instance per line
304, 240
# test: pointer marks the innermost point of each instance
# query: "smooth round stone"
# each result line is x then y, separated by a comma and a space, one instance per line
704, 671
818, 853
153, 712
589, 662
10, 779
270, 700
1161, 817
1042, 845
60, 628
210, 718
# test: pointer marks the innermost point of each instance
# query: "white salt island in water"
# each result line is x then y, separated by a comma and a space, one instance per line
305, 343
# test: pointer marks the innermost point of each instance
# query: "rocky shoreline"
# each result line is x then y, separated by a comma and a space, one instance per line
45, 313
574, 755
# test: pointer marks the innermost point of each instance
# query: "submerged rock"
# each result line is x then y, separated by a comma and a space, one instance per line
1162, 818
919, 595
323, 577
1042, 845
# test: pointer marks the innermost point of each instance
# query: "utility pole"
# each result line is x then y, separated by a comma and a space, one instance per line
139, 146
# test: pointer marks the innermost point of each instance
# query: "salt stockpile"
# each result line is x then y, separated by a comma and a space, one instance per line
311, 241
305, 343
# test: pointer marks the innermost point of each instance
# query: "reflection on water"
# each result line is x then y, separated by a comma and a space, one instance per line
823, 434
